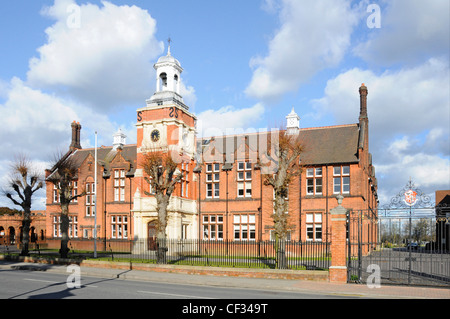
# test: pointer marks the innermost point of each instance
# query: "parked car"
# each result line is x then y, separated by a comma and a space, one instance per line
414, 246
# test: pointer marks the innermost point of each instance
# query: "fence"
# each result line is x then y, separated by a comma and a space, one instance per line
406, 249
245, 254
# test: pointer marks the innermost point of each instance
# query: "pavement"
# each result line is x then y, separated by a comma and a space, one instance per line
305, 286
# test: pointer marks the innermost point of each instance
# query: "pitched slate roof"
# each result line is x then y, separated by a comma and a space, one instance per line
322, 145
330, 145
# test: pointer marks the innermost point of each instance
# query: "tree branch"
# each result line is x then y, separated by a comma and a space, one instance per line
13, 200
17, 190
40, 185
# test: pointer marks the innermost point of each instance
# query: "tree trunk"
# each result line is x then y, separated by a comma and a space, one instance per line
161, 254
280, 249
64, 250
281, 229
26, 221
26, 232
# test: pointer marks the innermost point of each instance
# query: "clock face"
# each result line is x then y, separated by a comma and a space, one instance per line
155, 136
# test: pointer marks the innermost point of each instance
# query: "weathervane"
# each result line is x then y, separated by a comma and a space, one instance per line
169, 41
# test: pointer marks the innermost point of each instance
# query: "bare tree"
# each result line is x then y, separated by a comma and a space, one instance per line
62, 176
284, 156
24, 182
162, 175
420, 231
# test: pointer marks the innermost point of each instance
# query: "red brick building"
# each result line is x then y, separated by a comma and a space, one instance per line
234, 203
11, 227
221, 195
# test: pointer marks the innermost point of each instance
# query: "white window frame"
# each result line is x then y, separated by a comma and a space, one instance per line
244, 227
314, 226
212, 180
314, 181
119, 185
212, 227
341, 179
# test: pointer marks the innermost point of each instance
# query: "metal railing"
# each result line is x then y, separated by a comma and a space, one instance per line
406, 249
245, 254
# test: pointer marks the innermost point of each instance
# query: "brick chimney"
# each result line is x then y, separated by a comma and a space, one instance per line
76, 129
363, 102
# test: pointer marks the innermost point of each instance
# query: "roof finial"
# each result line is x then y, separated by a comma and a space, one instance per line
168, 50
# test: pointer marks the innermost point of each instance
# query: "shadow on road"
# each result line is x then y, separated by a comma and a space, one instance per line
65, 291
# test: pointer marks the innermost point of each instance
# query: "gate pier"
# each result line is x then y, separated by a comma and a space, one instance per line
338, 268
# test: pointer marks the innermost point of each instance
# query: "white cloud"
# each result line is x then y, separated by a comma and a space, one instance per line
4, 89
430, 172
106, 61
229, 120
313, 35
410, 100
409, 119
411, 30
38, 123
34, 122
188, 94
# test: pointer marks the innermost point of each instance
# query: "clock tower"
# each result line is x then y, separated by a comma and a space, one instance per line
166, 125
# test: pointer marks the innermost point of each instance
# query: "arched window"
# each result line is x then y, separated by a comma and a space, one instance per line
12, 235
33, 236
163, 80
175, 83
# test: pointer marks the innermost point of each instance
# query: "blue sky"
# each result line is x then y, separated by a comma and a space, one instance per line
246, 64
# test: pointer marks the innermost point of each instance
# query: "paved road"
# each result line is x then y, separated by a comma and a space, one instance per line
23, 284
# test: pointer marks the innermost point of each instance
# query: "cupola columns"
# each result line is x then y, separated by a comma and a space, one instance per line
168, 72
168, 82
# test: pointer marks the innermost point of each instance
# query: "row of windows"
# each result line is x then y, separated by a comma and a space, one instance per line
244, 227
341, 180
119, 191
119, 228
314, 181
244, 178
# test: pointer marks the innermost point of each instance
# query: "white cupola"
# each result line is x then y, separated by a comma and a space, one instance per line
119, 140
293, 123
168, 79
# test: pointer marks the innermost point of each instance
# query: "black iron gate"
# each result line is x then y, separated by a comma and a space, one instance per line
400, 244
